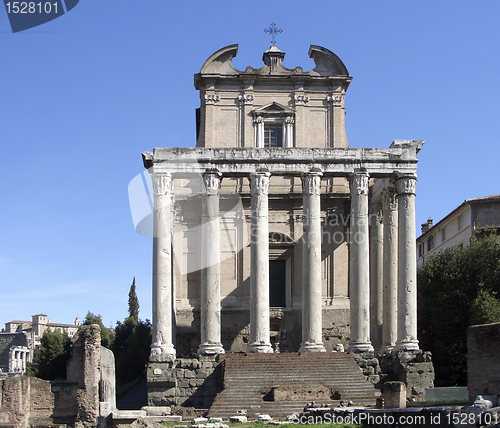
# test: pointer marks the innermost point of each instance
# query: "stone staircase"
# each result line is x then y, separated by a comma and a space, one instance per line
282, 384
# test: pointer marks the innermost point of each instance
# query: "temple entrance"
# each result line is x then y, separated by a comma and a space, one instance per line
277, 283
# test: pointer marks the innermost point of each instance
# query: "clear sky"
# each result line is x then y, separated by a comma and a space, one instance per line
82, 96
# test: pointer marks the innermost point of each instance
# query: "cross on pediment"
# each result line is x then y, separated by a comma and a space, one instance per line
273, 30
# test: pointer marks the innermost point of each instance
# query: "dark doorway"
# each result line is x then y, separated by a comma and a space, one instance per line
277, 283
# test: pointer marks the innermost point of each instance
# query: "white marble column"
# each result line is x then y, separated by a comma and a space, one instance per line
210, 266
259, 265
359, 266
407, 276
376, 275
390, 213
162, 348
312, 303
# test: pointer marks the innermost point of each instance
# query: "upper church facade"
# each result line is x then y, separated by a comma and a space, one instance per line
272, 106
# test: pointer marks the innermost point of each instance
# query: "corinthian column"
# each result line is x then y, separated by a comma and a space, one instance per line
210, 266
359, 265
162, 348
259, 265
390, 326
312, 305
376, 275
407, 278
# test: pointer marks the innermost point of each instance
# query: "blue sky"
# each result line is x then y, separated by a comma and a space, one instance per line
82, 96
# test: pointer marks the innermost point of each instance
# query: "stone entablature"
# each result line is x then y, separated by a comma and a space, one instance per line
378, 163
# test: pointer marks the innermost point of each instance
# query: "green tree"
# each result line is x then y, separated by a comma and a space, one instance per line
133, 303
457, 289
107, 334
54, 354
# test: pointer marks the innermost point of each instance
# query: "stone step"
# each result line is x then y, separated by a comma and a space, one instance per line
249, 377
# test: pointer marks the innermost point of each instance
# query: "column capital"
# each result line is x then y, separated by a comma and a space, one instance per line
376, 210
406, 184
311, 182
389, 200
162, 184
258, 120
211, 181
259, 182
359, 182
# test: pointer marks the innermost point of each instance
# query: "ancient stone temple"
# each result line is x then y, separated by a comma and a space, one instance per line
272, 234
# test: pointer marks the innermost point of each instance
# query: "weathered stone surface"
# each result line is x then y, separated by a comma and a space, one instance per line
238, 418
394, 395
483, 363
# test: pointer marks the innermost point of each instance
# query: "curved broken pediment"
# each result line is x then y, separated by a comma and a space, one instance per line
327, 63
220, 61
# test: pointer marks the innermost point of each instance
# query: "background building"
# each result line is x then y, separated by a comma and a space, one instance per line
20, 341
459, 226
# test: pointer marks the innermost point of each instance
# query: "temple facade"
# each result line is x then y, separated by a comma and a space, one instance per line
272, 234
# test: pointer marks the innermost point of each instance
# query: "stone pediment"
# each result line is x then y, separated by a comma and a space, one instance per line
273, 109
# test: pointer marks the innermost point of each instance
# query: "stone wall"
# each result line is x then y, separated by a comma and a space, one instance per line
414, 369
235, 329
83, 400
187, 382
483, 362
29, 401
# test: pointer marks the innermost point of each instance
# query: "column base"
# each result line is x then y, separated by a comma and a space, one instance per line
387, 349
162, 353
407, 345
259, 348
210, 349
360, 347
311, 347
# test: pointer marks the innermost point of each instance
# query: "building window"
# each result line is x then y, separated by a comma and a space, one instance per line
459, 222
443, 235
420, 250
273, 136
430, 243
274, 126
